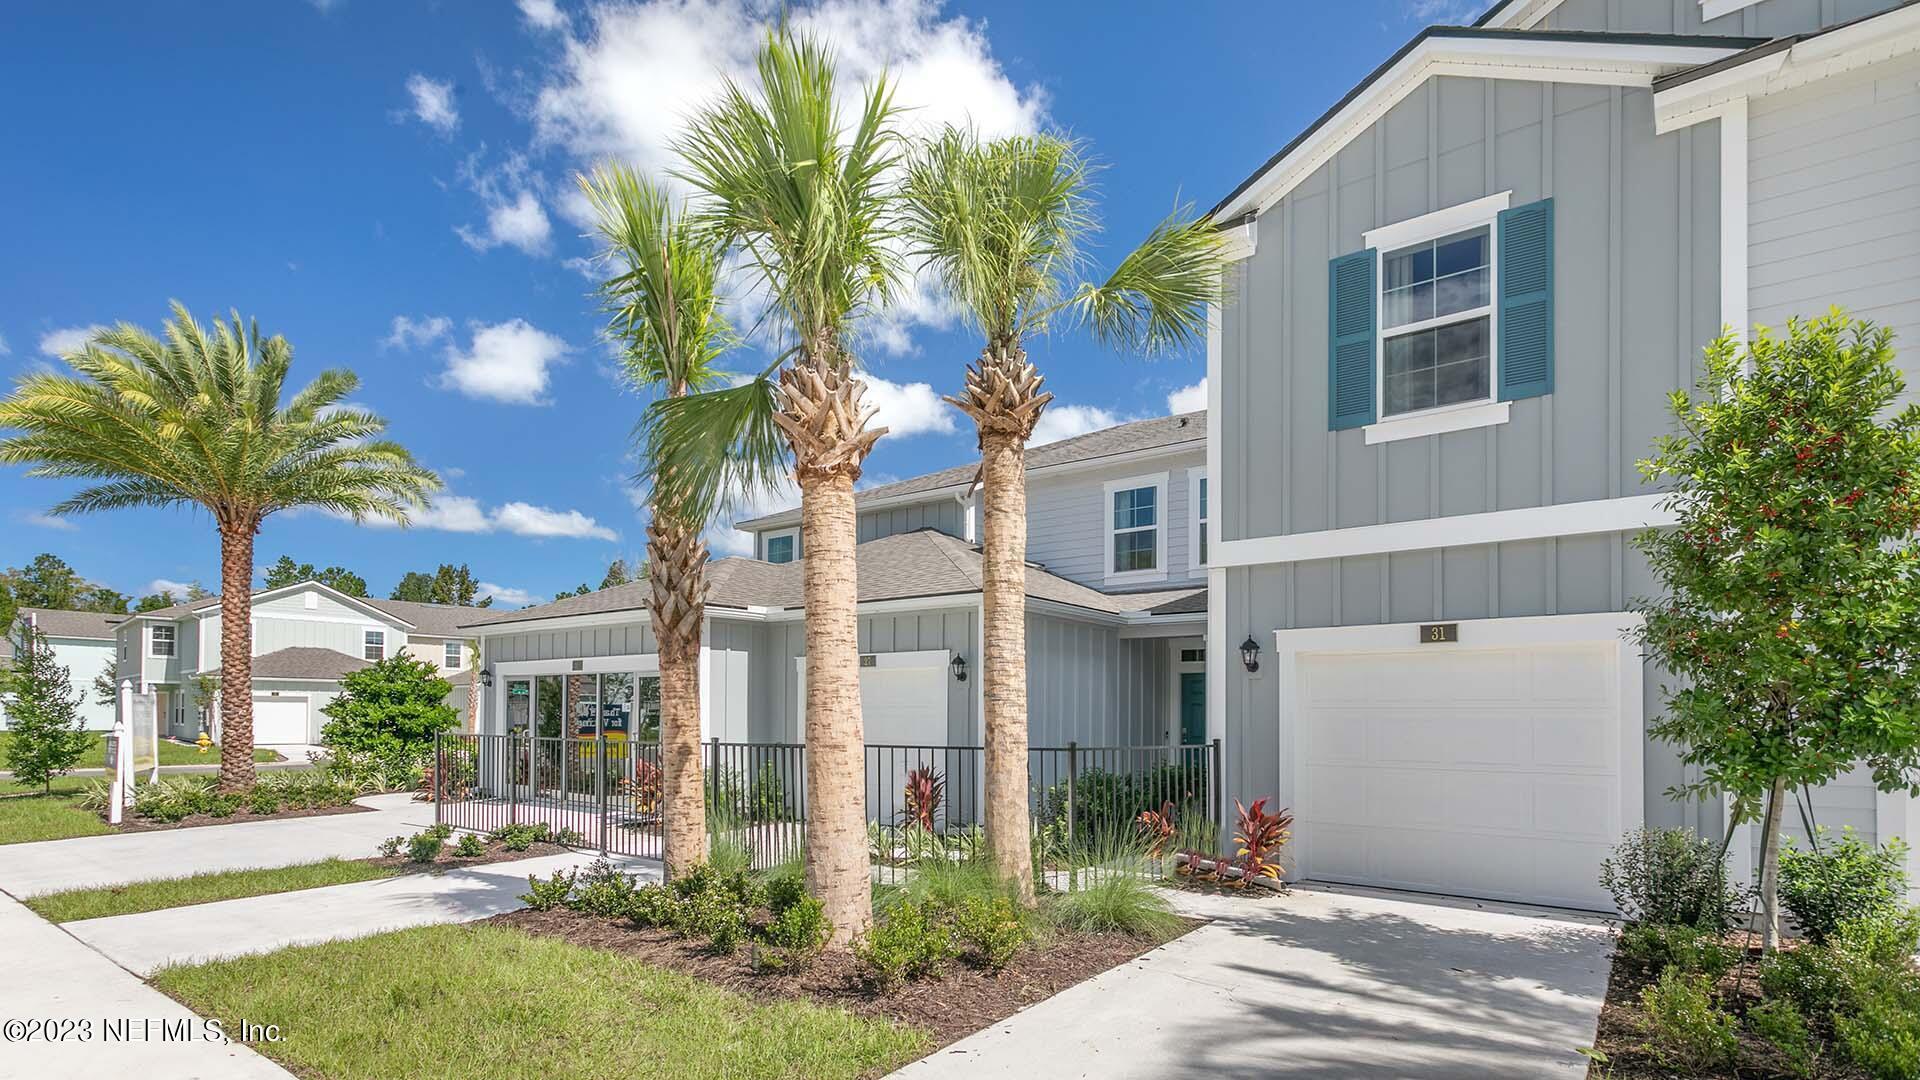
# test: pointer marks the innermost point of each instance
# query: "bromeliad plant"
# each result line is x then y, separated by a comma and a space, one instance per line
923, 791
1258, 839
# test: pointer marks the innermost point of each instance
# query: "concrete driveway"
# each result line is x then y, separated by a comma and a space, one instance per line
1323, 983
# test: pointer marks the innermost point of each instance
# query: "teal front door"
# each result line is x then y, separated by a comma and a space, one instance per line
1193, 708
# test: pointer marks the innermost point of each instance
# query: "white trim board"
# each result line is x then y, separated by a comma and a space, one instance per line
1162, 525
1616, 627
1459, 530
1871, 40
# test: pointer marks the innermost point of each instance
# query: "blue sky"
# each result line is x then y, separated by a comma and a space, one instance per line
389, 185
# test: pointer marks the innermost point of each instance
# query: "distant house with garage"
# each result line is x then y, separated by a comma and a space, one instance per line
306, 638
82, 642
1116, 613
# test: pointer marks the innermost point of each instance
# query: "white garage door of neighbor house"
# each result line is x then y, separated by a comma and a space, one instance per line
1491, 773
903, 703
279, 720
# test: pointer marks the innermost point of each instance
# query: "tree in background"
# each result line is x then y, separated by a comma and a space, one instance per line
192, 419
449, 584
285, 571
617, 574
43, 717
8, 605
395, 706
806, 195
1792, 574
106, 685
1002, 222
155, 601
48, 582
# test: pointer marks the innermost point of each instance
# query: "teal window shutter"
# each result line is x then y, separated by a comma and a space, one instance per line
1350, 339
1526, 300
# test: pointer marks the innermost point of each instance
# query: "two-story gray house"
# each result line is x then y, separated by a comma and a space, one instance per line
1116, 614
306, 638
1461, 298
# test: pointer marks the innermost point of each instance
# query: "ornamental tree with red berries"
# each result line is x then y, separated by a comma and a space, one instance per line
1791, 612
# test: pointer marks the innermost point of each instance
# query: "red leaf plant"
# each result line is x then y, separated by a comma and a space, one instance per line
1258, 838
1156, 829
644, 785
922, 791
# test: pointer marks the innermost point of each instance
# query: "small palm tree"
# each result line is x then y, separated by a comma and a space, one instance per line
1002, 222
804, 196
664, 300
197, 419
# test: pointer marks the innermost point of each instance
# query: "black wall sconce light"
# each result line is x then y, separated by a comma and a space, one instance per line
958, 665
1250, 654
486, 678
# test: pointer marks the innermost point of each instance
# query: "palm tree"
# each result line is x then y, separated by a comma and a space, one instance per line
803, 196
1001, 222
665, 307
197, 419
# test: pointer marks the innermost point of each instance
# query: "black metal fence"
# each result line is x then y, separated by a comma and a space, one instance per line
922, 801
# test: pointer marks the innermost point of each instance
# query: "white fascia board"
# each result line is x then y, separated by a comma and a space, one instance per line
1238, 241
1870, 41
1587, 63
1460, 530
1521, 14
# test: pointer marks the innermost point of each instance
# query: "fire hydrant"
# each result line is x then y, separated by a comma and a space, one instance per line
203, 742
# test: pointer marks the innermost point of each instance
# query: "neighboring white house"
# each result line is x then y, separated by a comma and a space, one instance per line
82, 642
306, 638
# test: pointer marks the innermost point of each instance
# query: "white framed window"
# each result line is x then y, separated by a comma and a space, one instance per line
782, 546
160, 641
1135, 510
374, 645
1197, 520
454, 657
1434, 364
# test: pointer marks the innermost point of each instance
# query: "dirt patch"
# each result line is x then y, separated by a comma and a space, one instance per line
960, 1002
447, 860
194, 821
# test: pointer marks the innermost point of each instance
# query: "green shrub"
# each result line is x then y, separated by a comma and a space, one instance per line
1106, 802
424, 847
48, 737
911, 942
944, 886
518, 837
709, 903
795, 935
549, 894
376, 770
601, 889
567, 836
783, 889
651, 906
470, 846
1840, 882
988, 932
394, 705
263, 800
391, 846
1881, 1031
1671, 877
440, 829
1869, 957
1656, 948
1688, 1029
1781, 1025
1115, 902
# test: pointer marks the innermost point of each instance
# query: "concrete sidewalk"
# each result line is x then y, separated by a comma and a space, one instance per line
50, 975
92, 861
1322, 983
151, 940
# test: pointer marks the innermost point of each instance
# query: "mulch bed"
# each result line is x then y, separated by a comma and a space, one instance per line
1623, 1034
447, 860
962, 1001
194, 821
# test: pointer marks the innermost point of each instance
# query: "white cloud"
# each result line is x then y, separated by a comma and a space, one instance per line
433, 103
525, 519
411, 333
178, 589
5, 349
1188, 398
505, 362
521, 223
68, 339
543, 14
452, 513
48, 521
508, 596
1065, 421
724, 540
909, 408
1445, 12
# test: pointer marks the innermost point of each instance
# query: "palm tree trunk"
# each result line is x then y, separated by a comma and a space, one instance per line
236, 655
1770, 867
677, 586
826, 425
1003, 396
473, 689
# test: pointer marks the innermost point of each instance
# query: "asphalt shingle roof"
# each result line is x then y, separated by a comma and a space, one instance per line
428, 620
74, 624
905, 566
1120, 439
304, 662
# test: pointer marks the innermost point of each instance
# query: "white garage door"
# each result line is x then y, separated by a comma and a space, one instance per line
279, 720
903, 705
1492, 773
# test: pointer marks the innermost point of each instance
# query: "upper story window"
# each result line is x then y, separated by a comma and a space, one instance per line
1198, 518
161, 639
1436, 323
1136, 539
374, 645
453, 656
783, 547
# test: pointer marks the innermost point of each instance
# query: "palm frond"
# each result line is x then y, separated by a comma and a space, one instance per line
1156, 300
711, 452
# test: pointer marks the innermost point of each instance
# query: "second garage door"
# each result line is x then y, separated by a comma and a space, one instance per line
279, 720
1492, 773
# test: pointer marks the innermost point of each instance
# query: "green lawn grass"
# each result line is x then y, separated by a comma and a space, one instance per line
202, 889
27, 815
171, 753
456, 1002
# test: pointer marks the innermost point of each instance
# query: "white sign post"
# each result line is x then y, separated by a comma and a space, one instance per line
120, 749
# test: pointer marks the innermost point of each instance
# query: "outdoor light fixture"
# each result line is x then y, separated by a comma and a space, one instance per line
1250, 654
486, 678
959, 668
